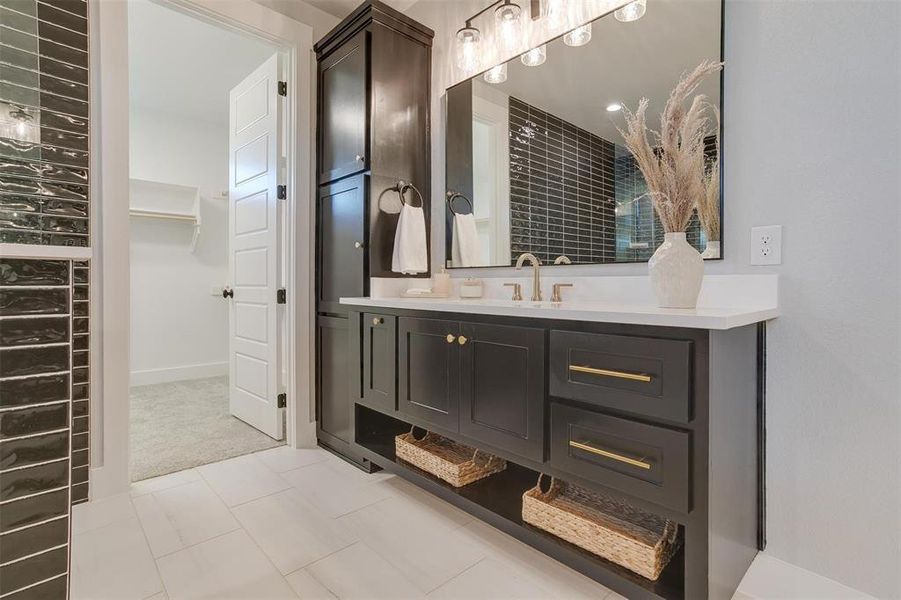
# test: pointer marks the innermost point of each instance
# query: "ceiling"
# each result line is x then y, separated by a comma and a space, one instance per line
188, 70
622, 63
342, 8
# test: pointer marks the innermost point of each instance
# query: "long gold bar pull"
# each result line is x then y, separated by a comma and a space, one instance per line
609, 373
625, 459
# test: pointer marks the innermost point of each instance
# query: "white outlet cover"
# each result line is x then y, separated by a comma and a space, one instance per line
766, 245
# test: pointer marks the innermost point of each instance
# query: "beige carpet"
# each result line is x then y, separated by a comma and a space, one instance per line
184, 424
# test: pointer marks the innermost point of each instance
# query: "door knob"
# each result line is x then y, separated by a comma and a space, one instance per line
228, 293
358, 245
450, 338
462, 340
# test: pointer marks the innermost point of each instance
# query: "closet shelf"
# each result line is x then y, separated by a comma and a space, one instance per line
166, 201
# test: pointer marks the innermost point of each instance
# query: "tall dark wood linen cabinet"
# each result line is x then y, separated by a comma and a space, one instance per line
372, 132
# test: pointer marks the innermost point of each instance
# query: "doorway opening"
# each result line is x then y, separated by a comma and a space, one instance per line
207, 245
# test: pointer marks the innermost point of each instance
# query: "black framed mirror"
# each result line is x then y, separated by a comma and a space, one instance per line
535, 162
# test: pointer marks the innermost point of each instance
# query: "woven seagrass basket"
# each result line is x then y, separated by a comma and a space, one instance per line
637, 540
453, 462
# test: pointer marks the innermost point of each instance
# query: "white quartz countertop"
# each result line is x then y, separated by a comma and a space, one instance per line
726, 301
698, 318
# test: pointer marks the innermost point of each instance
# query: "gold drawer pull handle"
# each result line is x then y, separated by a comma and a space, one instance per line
451, 338
462, 339
629, 461
609, 373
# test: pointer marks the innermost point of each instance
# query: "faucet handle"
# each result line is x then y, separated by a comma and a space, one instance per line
517, 291
556, 297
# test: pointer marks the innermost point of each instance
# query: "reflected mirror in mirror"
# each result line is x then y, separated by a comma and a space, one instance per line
535, 156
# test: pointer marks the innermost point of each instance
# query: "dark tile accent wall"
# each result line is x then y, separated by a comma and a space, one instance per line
35, 423
44, 345
561, 188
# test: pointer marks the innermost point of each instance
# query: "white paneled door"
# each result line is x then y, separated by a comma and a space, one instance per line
253, 148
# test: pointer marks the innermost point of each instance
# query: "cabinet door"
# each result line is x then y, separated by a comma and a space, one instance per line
344, 110
380, 361
502, 387
333, 383
342, 242
429, 370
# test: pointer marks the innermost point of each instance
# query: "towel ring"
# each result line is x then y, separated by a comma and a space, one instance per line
402, 188
451, 196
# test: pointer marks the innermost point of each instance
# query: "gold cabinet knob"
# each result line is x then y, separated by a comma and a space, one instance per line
462, 340
450, 338
376, 320
358, 245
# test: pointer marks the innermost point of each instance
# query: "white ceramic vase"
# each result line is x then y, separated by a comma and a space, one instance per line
712, 250
676, 271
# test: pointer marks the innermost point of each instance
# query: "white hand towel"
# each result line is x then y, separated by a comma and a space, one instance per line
410, 253
465, 251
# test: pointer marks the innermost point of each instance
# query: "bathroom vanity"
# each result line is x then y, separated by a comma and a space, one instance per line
659, 408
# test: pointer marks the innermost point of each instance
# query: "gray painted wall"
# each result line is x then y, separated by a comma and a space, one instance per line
813, 139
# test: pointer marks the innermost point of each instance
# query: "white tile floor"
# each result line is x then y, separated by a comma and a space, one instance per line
287, 523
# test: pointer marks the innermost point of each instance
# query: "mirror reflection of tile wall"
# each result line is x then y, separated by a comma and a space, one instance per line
561, 188
544, 168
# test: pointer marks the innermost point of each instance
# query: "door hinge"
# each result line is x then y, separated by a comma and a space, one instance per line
281, 296
282, 400
282, 192
282, 88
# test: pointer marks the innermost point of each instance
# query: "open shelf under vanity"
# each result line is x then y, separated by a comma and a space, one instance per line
538, 392
497, 500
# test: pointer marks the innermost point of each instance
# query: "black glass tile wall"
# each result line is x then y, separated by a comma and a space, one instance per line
44, 339
44, 122
36, 423
561, 188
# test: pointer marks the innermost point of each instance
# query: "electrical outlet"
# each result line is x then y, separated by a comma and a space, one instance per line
766, 245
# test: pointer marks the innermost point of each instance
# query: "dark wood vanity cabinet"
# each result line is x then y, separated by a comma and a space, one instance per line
344, 110
380, 361
502, 387
373, 110
335, 402
665, 419
428, 358
373, 101
342, 241
484, 381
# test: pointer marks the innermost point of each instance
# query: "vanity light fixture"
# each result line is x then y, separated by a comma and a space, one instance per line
614, 107
507, 16
535, 56
631, 11
578, 36
497, 74
553, 12
468, 42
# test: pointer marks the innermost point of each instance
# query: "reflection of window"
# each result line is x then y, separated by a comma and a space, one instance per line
19, 123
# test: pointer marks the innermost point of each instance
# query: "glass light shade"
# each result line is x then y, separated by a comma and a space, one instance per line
468, 41
578, 36
553, 12
534, 57
632, 11
507, 16
496, 74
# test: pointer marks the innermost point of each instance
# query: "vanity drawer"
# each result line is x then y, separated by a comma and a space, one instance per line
646, 376
643, 460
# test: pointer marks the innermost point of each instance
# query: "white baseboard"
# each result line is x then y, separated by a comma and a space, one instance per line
770, 578
167, 374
